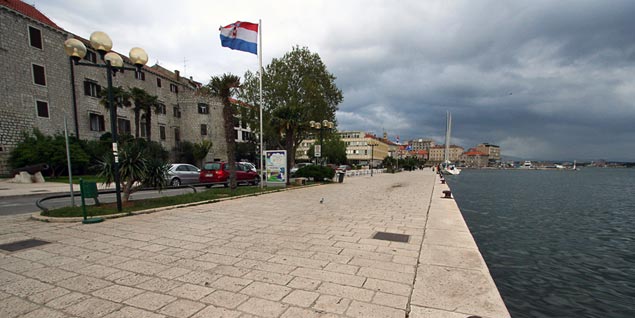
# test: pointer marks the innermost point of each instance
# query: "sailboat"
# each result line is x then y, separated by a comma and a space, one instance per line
448, 167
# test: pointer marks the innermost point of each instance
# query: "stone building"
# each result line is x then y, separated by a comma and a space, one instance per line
358, 150
473, 158
493, 153
40, 88
421, 144
437, 153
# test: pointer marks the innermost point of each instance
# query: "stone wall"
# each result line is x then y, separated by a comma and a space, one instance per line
19, 94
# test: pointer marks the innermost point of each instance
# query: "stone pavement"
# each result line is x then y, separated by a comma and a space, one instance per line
277, 255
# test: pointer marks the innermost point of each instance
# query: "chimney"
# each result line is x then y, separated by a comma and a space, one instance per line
177, 74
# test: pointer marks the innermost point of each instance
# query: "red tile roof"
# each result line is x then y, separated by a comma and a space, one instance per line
28, 10
475, 153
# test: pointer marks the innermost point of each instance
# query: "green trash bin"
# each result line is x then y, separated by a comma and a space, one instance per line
89, 190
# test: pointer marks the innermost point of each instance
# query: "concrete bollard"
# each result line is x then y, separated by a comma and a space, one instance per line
448, 194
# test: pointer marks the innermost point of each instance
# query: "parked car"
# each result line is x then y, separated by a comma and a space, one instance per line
218, 172
182, 173
343, 168
297, 167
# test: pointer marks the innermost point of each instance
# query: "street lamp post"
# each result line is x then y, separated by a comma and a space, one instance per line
113, 63
372, 156
325, 124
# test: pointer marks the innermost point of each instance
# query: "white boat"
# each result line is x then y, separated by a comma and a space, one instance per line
447, 166
526, 165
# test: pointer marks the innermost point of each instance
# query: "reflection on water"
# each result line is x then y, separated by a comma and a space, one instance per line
558, 243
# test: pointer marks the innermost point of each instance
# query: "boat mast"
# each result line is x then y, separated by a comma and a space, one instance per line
448, 128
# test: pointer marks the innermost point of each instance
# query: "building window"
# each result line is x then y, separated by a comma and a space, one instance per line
203, 108
90, 56
140, 75
39, 77
161, 109
91, 88
177, 135
158, 82
162, 132
35, 37
96, 122
42, 109
177, 111
123, 126
203, 130
174, 88
236, 122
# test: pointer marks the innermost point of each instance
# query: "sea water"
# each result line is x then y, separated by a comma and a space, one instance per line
557, 243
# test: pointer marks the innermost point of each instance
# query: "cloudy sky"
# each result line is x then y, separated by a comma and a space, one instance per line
543, 79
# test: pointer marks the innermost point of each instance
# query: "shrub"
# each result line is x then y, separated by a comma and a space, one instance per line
37, 148
318, 173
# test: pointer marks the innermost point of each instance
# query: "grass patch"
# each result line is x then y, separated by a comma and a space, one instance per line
86, 178
138, 205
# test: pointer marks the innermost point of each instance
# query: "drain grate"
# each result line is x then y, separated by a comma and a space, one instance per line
395, 237
20, 245
39, 190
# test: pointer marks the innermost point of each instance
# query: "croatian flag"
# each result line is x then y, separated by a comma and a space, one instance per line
242, 36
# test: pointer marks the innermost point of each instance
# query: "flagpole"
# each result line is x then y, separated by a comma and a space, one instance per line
260, 73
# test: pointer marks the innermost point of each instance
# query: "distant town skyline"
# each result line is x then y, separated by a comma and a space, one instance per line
542, 79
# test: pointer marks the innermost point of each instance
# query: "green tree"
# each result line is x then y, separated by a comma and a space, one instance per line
37, 148
334, 149
184, 152
200, 151
146, 103
121, 97
141, 164
224, 87
297, 88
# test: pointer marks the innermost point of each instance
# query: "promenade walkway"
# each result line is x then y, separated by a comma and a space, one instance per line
302, 253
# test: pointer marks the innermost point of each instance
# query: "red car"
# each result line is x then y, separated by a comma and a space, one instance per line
218, 172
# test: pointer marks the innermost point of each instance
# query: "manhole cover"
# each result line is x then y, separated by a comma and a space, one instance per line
20, 245
395, 237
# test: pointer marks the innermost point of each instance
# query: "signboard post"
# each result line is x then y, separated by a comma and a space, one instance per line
276, 167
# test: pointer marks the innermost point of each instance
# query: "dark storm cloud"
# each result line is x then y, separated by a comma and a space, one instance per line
543, 79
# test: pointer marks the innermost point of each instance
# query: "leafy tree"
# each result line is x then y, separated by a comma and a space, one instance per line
146, 103
334, 149
120, 96
184, 152
390, 163
200, 151
297, 88
224, 87
141, 164
37, 148
247, 151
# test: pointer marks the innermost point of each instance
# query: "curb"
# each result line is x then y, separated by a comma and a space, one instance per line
37, 217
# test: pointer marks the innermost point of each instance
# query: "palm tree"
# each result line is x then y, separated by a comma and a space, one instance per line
146, 103
223, 87
121, 97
